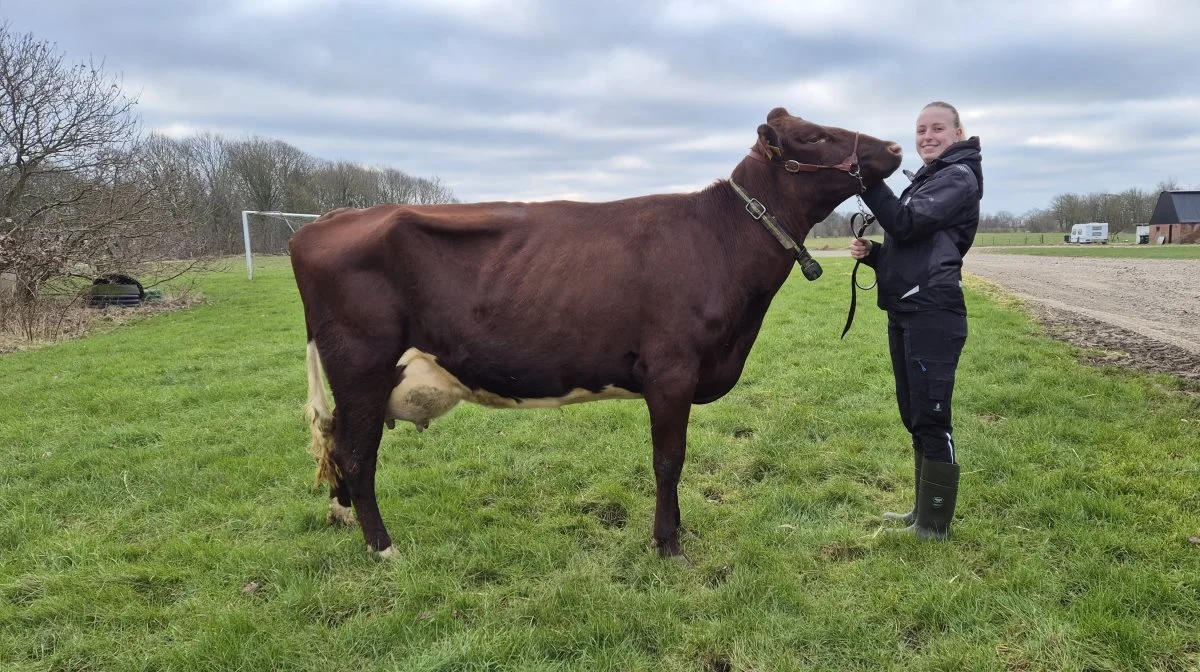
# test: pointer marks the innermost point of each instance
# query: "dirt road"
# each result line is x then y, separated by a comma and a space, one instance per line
1143, 313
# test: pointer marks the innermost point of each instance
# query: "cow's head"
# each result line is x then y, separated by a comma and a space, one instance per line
791, 149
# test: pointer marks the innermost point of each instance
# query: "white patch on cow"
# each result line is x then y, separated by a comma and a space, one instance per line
317, 401
389, 553
576, 396
320, 420
340, 514
428, 391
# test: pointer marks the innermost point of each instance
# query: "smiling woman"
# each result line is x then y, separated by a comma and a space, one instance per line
927, 231
938, 127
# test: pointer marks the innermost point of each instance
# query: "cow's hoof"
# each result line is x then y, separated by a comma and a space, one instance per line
389, 553
669, 548
676, 555
340, 515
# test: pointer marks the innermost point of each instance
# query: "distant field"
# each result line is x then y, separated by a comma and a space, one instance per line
986, 239
1132, 251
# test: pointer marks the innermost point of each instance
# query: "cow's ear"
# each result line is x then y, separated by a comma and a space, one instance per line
777, 113
768, 142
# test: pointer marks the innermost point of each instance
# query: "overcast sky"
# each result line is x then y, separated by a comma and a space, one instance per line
534, 99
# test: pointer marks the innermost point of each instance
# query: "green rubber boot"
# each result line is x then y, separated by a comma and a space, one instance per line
936, 500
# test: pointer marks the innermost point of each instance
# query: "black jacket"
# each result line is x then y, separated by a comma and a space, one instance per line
927, 231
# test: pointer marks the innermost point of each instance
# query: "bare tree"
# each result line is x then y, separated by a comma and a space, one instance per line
273, 174
345, 184
179, 200
67, 177
1000, 221
217, 186
396, 186
77, 190
1169, 184
1039, 220
431, 191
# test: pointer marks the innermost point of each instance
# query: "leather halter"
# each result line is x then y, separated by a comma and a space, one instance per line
848, 165
810, 267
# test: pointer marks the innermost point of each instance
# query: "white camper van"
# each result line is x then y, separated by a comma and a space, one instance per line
1092, 232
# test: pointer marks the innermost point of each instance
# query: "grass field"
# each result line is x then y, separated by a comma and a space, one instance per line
159, 512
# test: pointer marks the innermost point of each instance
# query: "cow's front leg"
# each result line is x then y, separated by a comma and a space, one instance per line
669, 400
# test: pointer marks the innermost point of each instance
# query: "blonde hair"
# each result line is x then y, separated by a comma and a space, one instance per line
948, 106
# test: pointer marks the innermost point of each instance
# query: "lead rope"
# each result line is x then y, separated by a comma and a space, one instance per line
867, 220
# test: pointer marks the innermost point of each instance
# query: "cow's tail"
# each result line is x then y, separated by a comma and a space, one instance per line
320, 419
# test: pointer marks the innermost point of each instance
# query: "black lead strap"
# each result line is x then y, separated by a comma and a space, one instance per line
867, 220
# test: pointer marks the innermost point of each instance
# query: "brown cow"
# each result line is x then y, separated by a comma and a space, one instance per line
411, 309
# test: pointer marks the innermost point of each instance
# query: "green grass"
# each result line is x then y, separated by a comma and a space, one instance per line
152, 473
1131, 251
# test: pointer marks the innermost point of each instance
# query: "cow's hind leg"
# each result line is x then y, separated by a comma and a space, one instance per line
361, 401
669, 400
341, 509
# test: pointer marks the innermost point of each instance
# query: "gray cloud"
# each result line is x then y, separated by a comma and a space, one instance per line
525, 99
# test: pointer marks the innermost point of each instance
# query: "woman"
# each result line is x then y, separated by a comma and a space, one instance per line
927, 230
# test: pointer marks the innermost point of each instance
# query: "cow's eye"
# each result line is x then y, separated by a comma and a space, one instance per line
815, 139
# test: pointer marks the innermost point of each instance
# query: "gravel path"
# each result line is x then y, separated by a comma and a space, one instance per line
1143, 312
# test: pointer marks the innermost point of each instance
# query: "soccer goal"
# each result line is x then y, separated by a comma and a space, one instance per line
273, 239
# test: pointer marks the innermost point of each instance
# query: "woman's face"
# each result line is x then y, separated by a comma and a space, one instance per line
935, 132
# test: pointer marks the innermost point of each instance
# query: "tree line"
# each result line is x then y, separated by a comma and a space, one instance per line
1123, 211
220, 177
85, 190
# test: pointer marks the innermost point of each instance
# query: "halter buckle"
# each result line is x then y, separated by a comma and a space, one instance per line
756, 208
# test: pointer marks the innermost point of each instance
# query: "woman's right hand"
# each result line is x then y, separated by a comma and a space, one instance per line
860, 248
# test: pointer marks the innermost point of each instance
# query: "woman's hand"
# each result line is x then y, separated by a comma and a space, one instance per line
860, 248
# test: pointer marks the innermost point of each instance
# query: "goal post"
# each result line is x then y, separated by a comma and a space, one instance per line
287, 218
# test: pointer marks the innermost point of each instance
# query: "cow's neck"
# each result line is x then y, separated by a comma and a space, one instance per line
761, 262
754, 268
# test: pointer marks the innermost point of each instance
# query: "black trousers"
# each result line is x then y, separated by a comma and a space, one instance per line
925, 347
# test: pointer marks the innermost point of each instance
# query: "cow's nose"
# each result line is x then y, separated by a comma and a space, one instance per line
895, 149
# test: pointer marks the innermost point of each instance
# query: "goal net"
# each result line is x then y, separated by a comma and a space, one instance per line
268, 233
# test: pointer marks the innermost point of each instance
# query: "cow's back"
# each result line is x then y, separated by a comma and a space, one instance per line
526, 299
